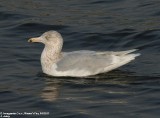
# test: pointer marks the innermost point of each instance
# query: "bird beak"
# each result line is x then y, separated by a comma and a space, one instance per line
36, 39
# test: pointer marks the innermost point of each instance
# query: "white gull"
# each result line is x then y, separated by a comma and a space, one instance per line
77, 63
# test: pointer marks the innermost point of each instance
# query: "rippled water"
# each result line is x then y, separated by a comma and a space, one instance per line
132, 91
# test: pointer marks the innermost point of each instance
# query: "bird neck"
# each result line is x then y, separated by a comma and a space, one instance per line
50, 56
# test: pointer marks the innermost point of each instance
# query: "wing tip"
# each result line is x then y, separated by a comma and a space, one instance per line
137, 54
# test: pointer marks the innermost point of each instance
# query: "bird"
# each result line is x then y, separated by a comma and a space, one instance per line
81, 63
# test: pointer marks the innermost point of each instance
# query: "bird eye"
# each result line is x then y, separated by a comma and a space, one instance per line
47, 37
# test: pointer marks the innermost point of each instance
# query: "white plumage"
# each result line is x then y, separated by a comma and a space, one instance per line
77, 63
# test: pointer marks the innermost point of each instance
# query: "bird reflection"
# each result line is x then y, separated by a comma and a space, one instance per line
51, 90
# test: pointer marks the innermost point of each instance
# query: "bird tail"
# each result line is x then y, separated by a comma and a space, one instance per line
123, 59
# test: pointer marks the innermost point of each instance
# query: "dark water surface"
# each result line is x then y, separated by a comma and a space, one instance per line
132, 91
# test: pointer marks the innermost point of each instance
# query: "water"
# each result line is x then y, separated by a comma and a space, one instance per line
131, 91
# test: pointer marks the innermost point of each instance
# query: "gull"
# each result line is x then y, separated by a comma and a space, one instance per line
80, 63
